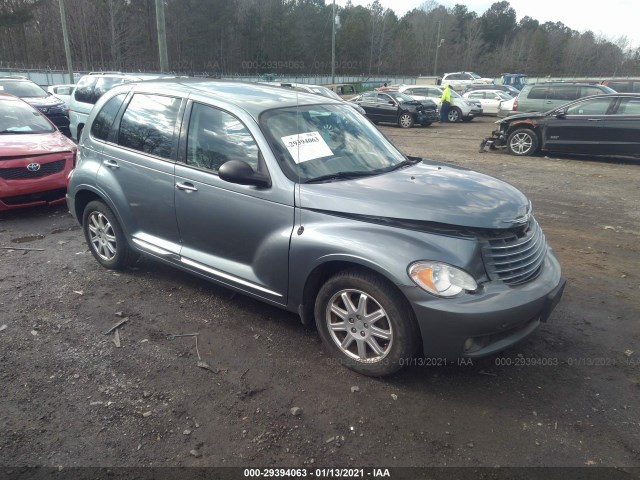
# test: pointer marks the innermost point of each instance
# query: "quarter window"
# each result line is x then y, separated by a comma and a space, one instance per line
216, 137
149, 123
104, 120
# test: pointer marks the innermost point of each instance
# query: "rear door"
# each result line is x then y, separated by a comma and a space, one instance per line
137, 171
622, 128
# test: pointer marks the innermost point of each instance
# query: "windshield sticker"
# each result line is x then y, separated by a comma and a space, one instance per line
306, 146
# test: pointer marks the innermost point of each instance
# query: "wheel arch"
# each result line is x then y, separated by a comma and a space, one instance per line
322, 272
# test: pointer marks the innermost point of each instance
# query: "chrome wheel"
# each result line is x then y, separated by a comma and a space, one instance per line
359, 326
454, 115
406, 120
521, 143
102, 238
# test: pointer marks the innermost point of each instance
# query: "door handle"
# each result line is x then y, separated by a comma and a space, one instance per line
188, 187
111, 164
594, 119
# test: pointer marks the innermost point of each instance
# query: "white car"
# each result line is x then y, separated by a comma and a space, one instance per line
489, 99
508, 107
461, 109
459, 80
63, 92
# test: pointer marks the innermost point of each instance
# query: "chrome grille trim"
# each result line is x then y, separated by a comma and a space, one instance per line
516, 256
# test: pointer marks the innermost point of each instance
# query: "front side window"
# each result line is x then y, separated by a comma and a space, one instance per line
149, 123
564, 92
596, 106
313, 141
215, 137
538, 93
104, 120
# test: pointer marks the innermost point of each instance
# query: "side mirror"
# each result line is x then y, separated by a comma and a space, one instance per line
561, 113
240, 172
391, 102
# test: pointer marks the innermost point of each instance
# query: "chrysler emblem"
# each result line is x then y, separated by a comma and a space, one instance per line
33, 167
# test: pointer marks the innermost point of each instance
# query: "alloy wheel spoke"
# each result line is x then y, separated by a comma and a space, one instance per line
378, 332
339, 327
340, 313
375, 316
362, 304
351, 309
362, 349
373, 344
348, 340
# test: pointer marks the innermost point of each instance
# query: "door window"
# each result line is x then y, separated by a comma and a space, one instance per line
538, 93
596, 106
216, 137
148, 125
629, 106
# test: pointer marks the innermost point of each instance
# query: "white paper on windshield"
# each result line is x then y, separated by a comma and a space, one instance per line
306, 146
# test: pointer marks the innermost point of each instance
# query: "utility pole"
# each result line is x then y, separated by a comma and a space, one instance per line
162, 36
333, 43
65, 37
439, 42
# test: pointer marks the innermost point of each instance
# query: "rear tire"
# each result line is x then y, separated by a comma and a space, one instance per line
365, 323
522, 142
105, 237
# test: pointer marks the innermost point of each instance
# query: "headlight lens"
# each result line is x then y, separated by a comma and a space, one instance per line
441, 279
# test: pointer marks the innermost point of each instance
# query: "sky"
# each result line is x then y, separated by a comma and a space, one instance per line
611, 19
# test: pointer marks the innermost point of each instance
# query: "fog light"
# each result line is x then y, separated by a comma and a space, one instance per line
468, 344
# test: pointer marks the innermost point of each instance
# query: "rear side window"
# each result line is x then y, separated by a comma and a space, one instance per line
621, 87
84, 89
564, 92
148, 125
216, 137
538, 93
586, 91
91, 88
629, 106
104, 120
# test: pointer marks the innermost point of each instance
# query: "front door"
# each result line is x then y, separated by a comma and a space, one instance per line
580, 129
235, 234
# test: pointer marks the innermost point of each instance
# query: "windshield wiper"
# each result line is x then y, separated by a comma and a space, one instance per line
341, 176
404, 163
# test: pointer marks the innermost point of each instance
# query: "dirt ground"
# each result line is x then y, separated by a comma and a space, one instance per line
567, 396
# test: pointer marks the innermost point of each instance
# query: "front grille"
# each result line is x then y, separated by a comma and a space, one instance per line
515, 257
18, 173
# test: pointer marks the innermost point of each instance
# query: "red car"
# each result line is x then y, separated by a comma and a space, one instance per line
35, 158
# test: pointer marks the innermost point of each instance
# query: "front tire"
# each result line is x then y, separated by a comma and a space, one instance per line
365, 323
105, 237
406, 120
454, 115
522, 142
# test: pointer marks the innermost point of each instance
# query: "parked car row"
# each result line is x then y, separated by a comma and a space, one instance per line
461, 109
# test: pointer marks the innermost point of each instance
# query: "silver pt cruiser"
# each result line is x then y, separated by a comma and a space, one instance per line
301, 202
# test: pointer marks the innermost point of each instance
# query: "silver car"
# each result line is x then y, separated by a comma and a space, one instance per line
301, 202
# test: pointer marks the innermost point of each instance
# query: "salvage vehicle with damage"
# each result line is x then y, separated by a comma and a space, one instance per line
598, 125
301, 202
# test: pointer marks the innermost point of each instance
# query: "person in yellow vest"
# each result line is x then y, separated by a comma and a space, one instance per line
445, 104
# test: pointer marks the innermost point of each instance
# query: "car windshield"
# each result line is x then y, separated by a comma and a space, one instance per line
314, 141
18, 117
22, 89
400, 97
325, 92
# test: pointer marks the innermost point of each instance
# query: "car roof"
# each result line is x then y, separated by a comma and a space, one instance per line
253, 98
8, 96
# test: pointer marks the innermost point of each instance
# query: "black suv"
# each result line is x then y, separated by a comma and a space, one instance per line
51, 106
398, 108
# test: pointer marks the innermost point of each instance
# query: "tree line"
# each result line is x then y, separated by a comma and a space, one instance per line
291, 37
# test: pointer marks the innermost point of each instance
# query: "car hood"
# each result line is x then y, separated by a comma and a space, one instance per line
425, 192
522, 116
17, 145
48, 101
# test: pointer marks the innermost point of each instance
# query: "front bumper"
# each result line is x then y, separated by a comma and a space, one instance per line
481, 324
428, 116
498, 138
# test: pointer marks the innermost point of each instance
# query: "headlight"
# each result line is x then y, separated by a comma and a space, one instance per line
441, 279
